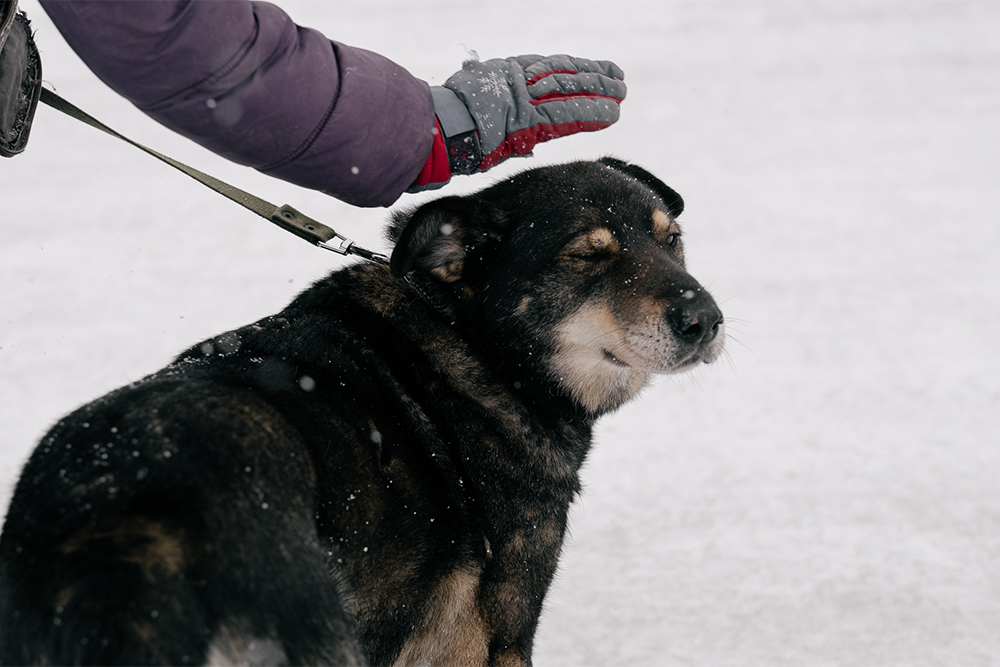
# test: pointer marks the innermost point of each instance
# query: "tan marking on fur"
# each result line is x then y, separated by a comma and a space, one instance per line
522, 307
63, 597
515, 545
164, 556
372, 280
664, 226
599, 240
581, 366
381, 588
143, 630
549, 532
508, 658
510, 594
652, 345
148, 544
450, 272
453, 632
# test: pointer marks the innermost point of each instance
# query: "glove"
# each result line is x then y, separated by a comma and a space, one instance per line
20, 79
492, 110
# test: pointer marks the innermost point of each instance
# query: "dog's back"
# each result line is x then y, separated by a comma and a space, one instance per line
382, 471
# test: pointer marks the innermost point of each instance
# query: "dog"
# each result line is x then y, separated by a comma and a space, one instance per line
380, 473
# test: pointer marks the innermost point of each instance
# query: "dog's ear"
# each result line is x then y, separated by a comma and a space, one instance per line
673, 201
438, 237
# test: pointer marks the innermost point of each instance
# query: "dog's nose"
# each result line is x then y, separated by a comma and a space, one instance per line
694, 317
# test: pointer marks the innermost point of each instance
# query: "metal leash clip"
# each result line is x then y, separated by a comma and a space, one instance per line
346, 246
353, 249
342, 247
319, 234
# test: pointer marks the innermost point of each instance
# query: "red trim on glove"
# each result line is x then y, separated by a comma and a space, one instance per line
559, 97
522, 141
436, 169
538, 77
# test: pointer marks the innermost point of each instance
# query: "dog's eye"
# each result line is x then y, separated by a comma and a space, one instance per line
671, 240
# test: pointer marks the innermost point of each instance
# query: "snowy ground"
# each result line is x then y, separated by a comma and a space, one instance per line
826, 496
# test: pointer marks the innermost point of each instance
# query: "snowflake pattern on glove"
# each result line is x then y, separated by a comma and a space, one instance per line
495, 83
516, 103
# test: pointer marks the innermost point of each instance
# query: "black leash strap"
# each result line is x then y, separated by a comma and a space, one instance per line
285, 216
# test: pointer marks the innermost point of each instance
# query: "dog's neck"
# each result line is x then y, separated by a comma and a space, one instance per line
423, 286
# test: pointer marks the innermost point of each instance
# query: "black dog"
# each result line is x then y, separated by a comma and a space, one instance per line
380, 473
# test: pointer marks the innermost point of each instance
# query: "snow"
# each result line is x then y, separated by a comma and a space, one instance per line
825, 494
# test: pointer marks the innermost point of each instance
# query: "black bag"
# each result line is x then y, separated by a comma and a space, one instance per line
20, 78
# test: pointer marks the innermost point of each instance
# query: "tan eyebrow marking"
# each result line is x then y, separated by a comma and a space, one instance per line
663, 226
597, 240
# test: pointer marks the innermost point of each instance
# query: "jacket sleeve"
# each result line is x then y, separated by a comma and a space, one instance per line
241, 79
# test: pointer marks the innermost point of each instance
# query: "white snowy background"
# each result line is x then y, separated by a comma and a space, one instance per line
826, 495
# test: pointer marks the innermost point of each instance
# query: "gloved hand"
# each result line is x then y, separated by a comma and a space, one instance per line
492, 110
20, 79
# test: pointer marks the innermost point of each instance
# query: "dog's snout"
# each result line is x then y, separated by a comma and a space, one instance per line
695, 318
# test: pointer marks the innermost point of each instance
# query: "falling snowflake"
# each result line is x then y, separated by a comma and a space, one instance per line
495, 83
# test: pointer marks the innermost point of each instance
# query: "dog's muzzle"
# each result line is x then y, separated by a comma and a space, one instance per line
694, 317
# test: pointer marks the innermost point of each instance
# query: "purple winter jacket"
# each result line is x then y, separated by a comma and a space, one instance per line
241, 79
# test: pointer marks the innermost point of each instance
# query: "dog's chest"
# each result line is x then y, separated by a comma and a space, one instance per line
452, 630
471, 614
449, 562
443, 507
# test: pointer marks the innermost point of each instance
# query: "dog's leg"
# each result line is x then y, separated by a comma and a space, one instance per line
199, 543
140, 589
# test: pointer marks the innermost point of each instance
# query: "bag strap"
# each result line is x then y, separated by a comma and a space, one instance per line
285, 216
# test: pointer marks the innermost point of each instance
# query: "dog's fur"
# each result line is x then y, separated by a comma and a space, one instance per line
382, 471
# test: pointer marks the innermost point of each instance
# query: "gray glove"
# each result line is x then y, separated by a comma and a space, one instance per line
492, 110
20, 79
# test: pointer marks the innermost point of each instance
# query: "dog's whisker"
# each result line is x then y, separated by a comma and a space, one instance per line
730, 337
731, 362
612, 333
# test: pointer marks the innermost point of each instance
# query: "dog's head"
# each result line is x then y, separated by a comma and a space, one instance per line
569, 276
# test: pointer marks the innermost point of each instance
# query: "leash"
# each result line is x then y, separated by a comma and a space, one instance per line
285, 216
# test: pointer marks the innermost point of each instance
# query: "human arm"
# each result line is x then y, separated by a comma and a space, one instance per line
244, 81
